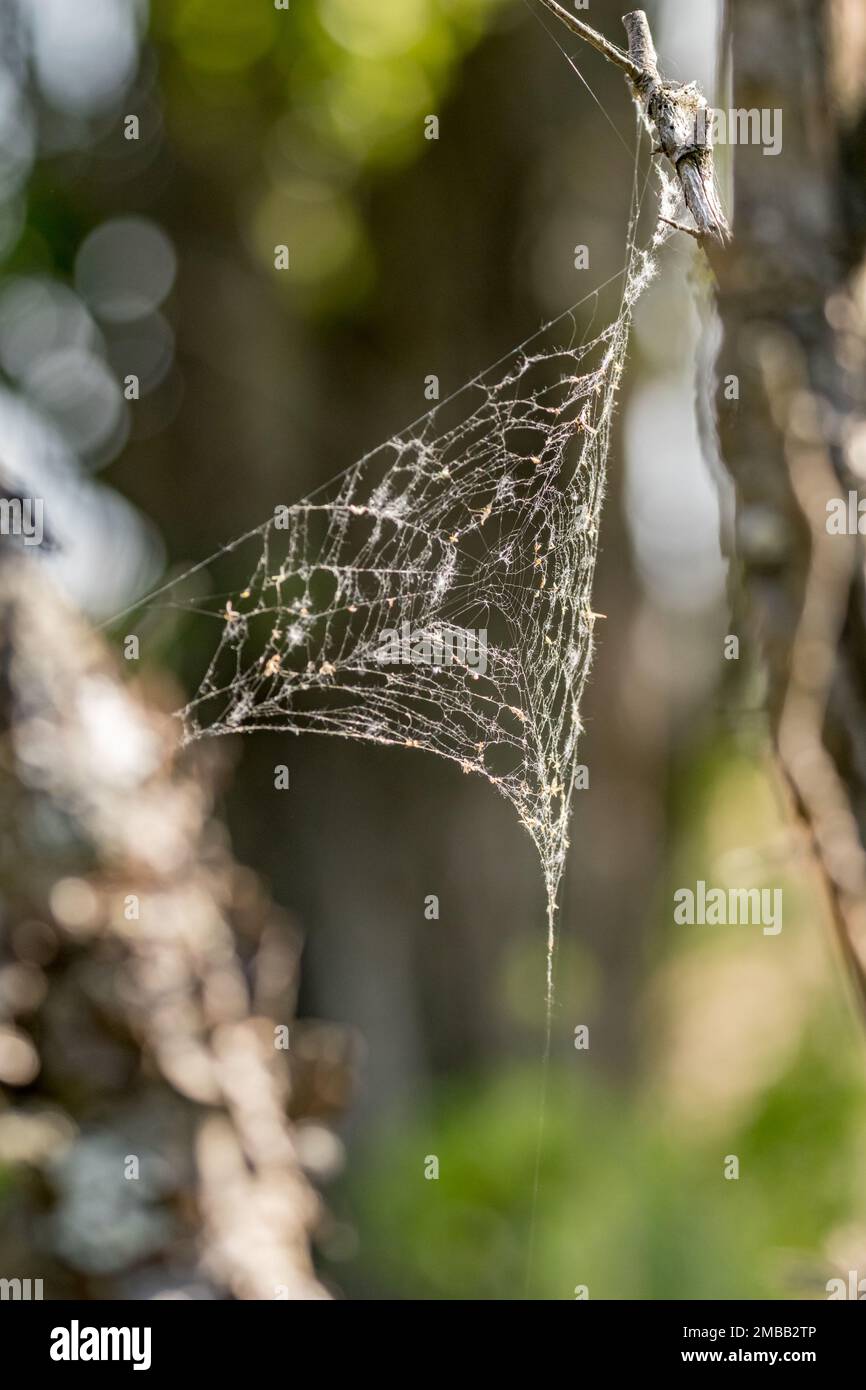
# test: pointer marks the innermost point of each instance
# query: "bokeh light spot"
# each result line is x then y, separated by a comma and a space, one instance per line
125, 268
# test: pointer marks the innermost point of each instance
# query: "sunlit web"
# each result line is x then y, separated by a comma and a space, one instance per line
481, 516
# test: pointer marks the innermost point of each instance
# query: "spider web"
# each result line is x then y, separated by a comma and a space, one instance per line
437, 595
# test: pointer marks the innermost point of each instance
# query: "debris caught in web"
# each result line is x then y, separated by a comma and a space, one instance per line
481, 519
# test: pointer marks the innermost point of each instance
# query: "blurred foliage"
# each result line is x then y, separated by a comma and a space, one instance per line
280, 127
633, 1201
625, 1206
303, 105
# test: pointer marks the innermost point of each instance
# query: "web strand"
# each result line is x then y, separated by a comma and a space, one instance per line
437, 595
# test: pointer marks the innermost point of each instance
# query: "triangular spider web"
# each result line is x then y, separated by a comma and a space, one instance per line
483, 515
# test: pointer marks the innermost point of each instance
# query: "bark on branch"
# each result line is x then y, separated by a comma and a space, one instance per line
676, 113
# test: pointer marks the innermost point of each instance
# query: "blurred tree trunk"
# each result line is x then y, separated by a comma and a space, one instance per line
155, 1131
792, 297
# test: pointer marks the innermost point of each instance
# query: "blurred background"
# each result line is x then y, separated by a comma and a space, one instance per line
145, 249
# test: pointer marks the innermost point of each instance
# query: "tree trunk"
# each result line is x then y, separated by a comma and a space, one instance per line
149, 1105
791, 300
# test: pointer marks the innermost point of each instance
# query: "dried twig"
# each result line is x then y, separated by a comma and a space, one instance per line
598, 41
677, 114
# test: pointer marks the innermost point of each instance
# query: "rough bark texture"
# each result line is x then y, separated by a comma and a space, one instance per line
676, 112
791, 299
